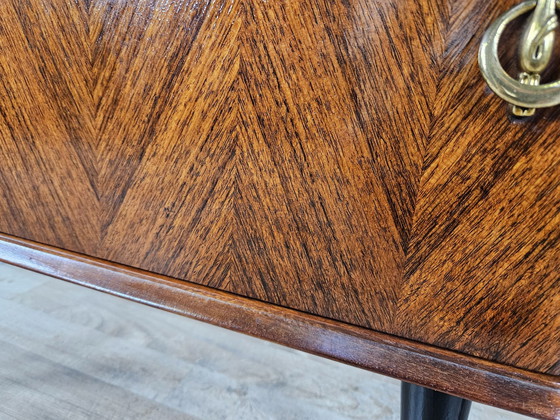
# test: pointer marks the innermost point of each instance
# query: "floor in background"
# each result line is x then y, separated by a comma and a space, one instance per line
68, 352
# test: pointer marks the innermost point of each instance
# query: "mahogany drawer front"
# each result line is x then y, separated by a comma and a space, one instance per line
340, 158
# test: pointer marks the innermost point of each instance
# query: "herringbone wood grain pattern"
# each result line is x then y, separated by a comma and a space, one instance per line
342, 158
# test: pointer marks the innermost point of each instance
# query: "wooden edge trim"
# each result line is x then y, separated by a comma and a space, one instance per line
454, 373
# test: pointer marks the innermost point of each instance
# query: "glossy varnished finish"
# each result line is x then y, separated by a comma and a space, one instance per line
449, 372
483, 266
340, 158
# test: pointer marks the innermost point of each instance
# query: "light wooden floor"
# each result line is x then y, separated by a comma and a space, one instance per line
68, 352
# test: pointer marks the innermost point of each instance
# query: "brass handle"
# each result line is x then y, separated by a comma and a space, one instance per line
526, 93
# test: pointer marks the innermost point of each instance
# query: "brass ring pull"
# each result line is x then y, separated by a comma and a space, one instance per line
526, 93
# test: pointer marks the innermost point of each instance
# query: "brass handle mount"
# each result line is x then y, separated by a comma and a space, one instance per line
524, 93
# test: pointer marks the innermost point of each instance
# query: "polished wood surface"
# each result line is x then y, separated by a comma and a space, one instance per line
454, 373
340, 158
178, 367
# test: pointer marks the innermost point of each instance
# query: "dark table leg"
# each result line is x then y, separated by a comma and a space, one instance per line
419, 403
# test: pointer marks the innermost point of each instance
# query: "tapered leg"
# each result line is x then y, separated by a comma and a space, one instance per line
419, 403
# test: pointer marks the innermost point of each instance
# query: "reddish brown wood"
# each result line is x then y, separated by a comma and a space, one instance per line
453, 373
483, 265
342, 158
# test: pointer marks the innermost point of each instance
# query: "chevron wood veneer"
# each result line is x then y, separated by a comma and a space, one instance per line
342, 158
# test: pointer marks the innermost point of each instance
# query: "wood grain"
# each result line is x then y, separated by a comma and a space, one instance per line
485, 263
342, 158
491, 383
178, 368
323, 185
